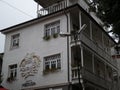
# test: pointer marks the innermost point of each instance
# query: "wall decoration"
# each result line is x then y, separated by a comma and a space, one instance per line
29, 65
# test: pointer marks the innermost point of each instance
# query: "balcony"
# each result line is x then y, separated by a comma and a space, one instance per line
52, 8
46, 3
90, 76
96, 47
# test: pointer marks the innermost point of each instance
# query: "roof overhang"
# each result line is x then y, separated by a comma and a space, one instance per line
46, 3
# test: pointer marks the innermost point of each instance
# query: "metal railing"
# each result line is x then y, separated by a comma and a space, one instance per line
53, 8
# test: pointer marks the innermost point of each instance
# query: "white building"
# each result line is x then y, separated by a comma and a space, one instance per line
36, 57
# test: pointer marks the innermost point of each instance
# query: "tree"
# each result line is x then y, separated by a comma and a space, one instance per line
109, 12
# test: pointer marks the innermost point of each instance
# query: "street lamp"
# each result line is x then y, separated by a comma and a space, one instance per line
75, 35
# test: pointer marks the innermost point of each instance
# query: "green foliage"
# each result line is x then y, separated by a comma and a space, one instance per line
46, 38
49, 37
55, 35
109, 12
47, 71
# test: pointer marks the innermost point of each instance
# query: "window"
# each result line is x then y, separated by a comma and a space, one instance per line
52, 62
15, 41
52, 28
12, 72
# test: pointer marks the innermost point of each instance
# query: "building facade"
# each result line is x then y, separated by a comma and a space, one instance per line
36, 57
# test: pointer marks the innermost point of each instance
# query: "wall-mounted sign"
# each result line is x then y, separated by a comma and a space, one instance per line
28, 83
29, 65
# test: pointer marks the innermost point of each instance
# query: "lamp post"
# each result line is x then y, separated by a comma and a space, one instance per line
75, 35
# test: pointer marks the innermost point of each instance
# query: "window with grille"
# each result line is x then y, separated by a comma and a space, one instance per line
52, 28
52, 62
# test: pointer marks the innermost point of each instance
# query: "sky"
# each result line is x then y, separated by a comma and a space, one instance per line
13, 12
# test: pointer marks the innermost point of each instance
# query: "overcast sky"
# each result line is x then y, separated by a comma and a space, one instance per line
13, 12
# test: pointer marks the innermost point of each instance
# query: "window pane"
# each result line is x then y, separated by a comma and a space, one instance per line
53, 64
47, 67
15, 40
47, 33
58, 29
58, 64
52, 30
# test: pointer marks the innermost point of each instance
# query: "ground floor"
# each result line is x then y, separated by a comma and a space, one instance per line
76, 86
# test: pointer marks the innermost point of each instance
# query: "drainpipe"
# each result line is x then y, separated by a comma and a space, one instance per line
68, 59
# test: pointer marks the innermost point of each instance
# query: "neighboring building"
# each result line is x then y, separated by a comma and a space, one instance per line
36, 57
1, 60
1, 75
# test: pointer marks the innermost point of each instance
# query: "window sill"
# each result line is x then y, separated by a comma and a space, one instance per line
14, 48
10, 80
50, 71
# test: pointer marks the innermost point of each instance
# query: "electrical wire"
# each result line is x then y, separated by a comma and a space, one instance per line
15, 8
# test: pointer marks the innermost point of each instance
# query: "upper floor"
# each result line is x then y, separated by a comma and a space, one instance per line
57, 5
53, 6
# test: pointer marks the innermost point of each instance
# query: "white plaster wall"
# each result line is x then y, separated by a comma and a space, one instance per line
31, 40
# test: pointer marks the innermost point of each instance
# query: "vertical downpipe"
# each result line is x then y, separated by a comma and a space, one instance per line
68, 68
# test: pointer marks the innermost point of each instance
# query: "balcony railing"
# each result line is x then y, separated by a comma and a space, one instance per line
90, 76
51, 9
98, 49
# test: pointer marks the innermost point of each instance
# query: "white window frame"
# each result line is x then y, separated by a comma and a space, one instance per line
15, 41
52, 28
12, 69
51, 61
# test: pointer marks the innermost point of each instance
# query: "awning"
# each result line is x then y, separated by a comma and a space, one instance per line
3, 89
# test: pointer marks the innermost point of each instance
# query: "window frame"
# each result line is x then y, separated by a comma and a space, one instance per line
15, 41
52, 62
12, 71
53, 27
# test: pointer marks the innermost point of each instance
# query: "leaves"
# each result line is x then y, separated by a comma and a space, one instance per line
109, 12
